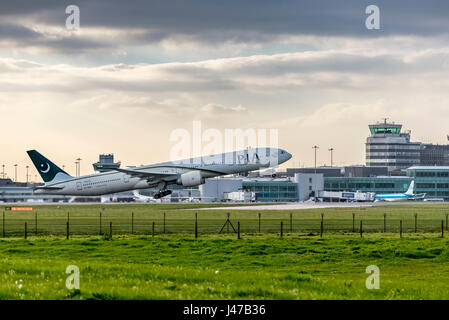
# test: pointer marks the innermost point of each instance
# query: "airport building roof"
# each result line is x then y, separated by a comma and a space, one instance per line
429, 168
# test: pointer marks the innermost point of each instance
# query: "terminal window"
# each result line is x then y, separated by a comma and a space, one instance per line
425, 185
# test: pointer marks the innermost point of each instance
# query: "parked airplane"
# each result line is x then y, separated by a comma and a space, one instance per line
138, 197
141, 198
188, 173
409, 195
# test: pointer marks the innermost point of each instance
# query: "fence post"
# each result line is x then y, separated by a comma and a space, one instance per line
446, 222
100, 224
152, 230
385, 222
416, 222
238, 229
442, 229
164, 221
26, 230
68, 231
3, 227
361, 229
322, 223
259, 222
196, 225
282, 227
110, 230
132, 222
321, 229
400, 228
68, 216
35, 223
353, 222
291, 222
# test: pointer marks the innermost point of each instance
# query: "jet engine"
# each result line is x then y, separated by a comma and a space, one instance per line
191, 179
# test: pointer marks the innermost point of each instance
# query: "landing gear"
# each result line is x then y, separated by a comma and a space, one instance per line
162, 193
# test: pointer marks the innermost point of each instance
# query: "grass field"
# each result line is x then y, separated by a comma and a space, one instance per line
218, 267
258, 266
180, 218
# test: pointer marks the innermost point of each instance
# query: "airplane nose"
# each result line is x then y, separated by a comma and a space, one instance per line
284, 156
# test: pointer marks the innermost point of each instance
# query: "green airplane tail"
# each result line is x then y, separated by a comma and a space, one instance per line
47, 169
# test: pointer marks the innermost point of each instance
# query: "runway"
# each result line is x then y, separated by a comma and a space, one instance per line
324, 205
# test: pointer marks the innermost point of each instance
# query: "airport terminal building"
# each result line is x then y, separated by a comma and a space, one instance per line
431, 180
389, 147
279, 189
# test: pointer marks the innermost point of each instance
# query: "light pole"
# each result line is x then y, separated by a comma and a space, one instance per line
315, 147
313, 187
3, 173
79, 167
27, 173
331, 150
15, 169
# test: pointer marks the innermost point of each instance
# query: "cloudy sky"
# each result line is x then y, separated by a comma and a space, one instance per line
137, 70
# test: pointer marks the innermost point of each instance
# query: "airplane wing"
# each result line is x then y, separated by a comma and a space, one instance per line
146, 175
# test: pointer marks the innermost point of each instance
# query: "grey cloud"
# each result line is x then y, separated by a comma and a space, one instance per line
236, 18
235, 21
216, 109
23, 36
15, 32
348, 70
313, 62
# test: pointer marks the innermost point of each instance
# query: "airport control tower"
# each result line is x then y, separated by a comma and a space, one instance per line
388, 147
106, 163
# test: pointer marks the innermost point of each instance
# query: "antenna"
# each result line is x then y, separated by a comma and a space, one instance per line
385, 120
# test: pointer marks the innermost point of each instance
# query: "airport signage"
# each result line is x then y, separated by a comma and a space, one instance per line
19, 208
349, 195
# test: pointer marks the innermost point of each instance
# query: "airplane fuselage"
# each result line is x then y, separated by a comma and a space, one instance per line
166, 173
393, 197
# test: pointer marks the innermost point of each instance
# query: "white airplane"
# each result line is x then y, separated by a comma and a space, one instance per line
188, 173
138, 197
409, 195
141, 198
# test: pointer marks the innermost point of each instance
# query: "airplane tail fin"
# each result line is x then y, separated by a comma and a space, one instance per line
411, 188
47, 169
136, 193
